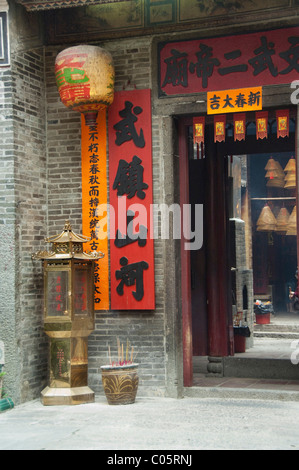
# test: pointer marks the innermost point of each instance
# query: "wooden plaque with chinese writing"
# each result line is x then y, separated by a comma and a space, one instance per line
243, 60
131, 196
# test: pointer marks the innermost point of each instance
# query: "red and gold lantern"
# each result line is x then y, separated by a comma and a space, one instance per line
85, 80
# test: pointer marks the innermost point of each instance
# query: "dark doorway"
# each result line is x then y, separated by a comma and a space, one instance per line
206, 271
198, 260
206, 276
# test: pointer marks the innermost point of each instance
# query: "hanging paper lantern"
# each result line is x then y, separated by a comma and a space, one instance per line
282, 220
266, 221
292, 224
85, 80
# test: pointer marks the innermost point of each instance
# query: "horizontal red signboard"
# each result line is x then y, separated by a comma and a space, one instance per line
239, 61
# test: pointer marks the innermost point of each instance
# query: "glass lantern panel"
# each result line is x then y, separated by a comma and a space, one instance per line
57, 305
80, 292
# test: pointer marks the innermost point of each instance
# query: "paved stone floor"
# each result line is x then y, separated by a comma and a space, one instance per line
165, 425
221, 413
279, 340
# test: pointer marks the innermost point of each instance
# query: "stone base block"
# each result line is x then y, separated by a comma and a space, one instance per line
67, 396
215, 367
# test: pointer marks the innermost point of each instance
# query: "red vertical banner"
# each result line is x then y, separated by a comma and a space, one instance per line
239, 126
131, 199
219, 128
261, 120
282, 119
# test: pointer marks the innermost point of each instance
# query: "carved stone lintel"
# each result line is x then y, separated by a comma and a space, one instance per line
3, 5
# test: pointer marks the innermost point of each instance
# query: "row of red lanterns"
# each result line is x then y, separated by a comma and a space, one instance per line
239, 123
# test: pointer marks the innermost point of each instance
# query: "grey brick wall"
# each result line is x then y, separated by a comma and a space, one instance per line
40, 187
23, 196
7, 231
145, 330
31, 213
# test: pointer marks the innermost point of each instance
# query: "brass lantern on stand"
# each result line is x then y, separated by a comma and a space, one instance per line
68, 316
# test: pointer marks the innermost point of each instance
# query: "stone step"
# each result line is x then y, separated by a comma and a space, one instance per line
276, 334
276, 327
260, 368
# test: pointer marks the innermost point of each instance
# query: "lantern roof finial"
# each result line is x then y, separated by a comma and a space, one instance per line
66, 245
67, 235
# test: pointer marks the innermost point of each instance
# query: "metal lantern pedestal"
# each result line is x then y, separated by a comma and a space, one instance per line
68, 316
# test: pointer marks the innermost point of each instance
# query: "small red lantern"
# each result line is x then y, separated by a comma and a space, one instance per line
85, 80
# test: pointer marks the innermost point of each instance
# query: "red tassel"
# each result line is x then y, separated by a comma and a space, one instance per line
219, 128
282, 118
239, 126
261, 119
198, 129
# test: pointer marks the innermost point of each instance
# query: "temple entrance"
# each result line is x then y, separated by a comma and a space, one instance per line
239, 196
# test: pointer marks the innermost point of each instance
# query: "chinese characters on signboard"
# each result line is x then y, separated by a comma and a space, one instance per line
68, 71
80, 292
94, 193
57, 293
131, 197
246, 60
229, 101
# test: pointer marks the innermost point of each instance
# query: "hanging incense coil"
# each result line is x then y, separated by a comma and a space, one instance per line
290, 181
270, 164
291, 165
276, 182
290, 178
279, 168
282, 220
275, 174
292, 224
266, 221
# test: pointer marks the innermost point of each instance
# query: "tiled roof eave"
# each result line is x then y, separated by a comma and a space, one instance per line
38, 5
